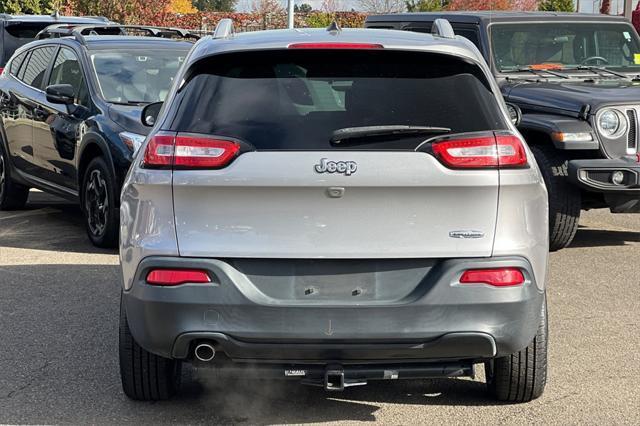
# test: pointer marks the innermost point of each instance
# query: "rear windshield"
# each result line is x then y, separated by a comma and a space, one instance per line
17, 34
297, 99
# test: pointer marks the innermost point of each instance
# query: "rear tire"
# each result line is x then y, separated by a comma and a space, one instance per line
99, 204
522, 376
13, 196
145, 376
564, 198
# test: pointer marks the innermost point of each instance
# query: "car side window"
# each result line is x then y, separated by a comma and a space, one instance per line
15, 63
470, 33
66, 70
20, 74
37, 66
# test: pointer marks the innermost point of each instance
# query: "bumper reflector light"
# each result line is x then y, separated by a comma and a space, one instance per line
173, 277
500, 277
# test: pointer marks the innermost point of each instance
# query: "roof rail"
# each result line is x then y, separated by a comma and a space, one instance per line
224, 29
442, 28
79, 31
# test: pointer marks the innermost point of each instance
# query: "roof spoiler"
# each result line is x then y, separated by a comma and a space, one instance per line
442, 28
224, 29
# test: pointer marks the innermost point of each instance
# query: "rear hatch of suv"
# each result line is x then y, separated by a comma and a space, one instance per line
322, 153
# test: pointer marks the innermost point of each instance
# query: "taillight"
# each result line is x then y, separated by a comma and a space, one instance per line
1, 70
189, 152
334, 45
173, 277
480, 152
498, 277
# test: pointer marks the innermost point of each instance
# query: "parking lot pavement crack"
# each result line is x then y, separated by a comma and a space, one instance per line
34, 375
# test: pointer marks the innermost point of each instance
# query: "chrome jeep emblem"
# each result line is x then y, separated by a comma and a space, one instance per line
347, 168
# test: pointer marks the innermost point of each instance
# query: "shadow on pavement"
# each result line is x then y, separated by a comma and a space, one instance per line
589, 237
46, 223
59, 364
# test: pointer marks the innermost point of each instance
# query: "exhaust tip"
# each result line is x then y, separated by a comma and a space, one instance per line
204, 352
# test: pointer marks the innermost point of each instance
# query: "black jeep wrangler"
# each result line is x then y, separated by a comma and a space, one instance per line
575, 80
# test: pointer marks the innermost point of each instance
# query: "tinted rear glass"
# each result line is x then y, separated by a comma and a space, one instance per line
17, 34
297, 99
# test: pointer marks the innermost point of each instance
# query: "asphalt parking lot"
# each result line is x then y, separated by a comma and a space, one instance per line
58, 338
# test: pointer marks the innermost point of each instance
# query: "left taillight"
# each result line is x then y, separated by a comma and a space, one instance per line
183, 151
173, 277
481, 152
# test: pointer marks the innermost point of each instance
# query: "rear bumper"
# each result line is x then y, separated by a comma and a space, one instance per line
438, 319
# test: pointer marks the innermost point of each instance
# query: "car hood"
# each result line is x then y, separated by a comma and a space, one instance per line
128, 117
570, 96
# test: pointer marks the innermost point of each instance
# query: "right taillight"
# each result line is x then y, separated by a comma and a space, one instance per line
481, 152
186, 151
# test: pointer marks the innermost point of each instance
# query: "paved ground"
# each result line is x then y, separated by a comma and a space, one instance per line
58, 353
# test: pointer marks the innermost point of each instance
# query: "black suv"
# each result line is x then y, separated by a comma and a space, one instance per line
576, 80
18, 30
70, 116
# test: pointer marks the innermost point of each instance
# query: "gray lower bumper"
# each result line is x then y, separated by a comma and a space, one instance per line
437, 320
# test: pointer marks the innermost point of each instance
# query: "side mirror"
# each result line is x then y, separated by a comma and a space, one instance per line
515, 114
150, 114
61, 94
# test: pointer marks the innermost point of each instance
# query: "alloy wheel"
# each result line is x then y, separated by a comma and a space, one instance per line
96, 202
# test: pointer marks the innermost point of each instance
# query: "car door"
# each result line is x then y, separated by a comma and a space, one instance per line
17, 129
30, 95
56, 130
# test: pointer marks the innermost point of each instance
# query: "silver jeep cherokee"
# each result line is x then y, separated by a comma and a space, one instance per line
334, 207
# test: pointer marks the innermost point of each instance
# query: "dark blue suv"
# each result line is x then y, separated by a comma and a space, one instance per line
70, 110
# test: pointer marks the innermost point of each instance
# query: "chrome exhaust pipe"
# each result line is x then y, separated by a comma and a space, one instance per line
204, 352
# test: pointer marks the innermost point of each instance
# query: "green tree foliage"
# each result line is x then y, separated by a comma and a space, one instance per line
424, 5
302, 8
557, 6
215, 5
35, 7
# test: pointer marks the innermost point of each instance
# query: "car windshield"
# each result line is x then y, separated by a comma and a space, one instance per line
136, 76
565, 45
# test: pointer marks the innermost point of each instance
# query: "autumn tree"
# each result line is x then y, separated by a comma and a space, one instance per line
182, 7
557, 6
215, 5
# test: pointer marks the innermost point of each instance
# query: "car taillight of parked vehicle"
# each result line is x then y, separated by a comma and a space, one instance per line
487, 151
184, 151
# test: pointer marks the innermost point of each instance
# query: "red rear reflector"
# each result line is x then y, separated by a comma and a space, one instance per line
1, 70
186, 152
171, 277
335, 46
502, 277
481, 152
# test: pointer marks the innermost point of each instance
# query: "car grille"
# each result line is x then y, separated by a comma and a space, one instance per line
632, 136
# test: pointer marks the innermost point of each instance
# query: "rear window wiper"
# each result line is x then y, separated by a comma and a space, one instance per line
365, 132
538, 72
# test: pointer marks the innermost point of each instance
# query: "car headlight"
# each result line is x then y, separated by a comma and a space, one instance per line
132, 140
611, 123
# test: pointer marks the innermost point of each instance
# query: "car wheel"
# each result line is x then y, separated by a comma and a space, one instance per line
145, 376
13, 196
521, 377
99, 204
564, 198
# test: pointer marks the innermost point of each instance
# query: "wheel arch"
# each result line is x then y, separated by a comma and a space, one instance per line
543, 129
91, 147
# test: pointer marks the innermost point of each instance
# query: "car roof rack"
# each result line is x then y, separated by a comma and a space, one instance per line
81, 30
224, 29
442, 28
